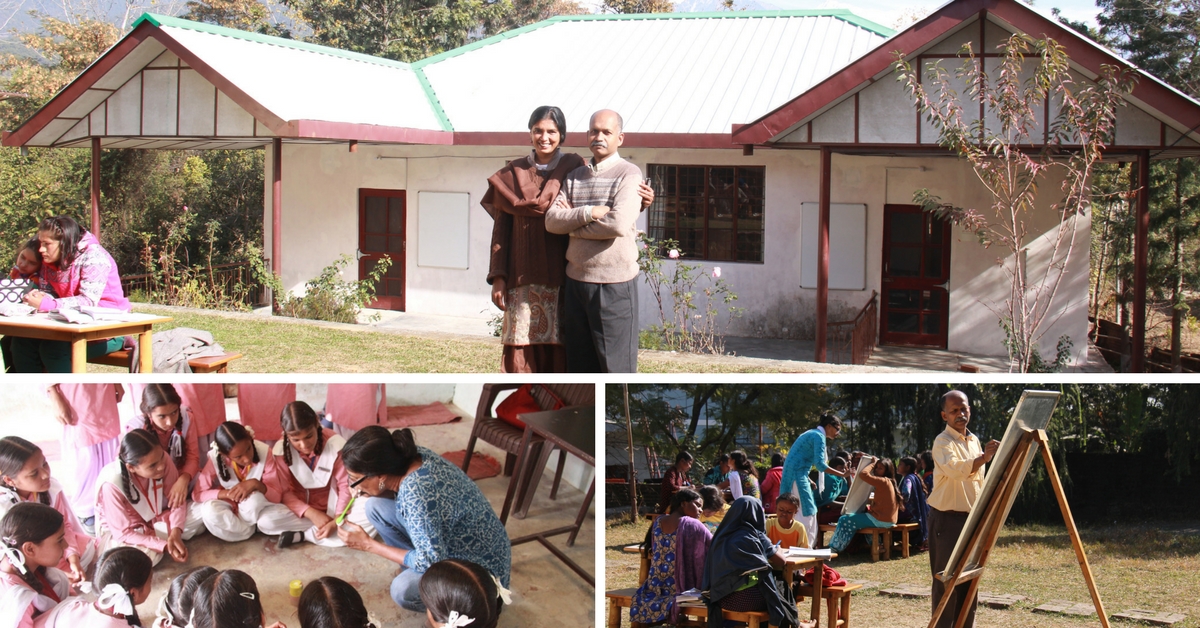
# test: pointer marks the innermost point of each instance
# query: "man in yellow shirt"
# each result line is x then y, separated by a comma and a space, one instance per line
959, 467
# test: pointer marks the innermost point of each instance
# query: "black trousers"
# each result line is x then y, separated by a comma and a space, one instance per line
600, 326
944, 529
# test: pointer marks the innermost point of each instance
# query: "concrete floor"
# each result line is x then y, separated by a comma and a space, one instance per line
545, 591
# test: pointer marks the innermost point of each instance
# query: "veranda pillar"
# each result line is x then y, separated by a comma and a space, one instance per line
95, 187
1141, 249
821, 328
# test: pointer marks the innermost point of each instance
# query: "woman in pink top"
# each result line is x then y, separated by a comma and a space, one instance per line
32, 539
91, 426
25, 477
163, 415
122, 581
206, 409
351, 407
82, 274
259, 406
132, 501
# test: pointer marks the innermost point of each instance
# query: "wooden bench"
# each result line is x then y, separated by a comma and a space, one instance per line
881, 538
623, 598
837, 600
209, 364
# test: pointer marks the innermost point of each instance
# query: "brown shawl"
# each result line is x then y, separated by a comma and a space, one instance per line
523, 252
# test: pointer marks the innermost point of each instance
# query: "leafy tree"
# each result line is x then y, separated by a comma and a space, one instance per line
1012, 173
645, 6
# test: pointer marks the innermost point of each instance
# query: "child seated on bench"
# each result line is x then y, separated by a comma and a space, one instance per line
884, 507
782, 527
714, 507
913, 507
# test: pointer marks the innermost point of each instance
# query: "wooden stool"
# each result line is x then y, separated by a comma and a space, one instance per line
753, 619
837, 602
209, 364
881, 539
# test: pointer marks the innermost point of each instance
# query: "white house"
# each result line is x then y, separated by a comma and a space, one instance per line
750, 124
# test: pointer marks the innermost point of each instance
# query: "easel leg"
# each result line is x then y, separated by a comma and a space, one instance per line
1072, 531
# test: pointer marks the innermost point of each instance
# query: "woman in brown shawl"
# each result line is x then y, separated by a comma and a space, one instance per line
528, 264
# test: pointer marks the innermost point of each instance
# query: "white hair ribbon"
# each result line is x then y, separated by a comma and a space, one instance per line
191, 619
505, 594
246, 594
114, 596
215, 448
373, 621
457, 621
164, 610
14, 556
176, 445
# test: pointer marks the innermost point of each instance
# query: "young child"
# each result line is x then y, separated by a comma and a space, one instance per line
163, 415
25, 477
883, 510
259, 406
333, 603
29, 261
175, 605
122, 582
132, 504
32, 538
236, 491
782, 527
310, 476
458, 593
714, 507
205, 405
351, 407
229, 599
913, 505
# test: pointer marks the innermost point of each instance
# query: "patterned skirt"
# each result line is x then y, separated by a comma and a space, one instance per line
531, 315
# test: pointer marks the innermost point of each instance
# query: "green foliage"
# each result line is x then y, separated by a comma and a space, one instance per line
694, 323
647, 6
329, 297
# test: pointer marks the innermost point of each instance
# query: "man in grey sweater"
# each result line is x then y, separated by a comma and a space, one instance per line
597, 207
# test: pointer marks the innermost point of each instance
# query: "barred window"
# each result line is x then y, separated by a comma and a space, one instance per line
714, 212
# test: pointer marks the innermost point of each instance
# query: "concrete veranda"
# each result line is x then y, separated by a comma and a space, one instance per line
546, 592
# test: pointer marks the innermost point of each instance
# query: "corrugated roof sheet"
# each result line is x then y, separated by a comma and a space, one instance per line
298, 81
667, 73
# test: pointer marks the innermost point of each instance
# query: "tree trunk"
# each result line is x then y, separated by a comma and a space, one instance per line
633, 505
1177, 271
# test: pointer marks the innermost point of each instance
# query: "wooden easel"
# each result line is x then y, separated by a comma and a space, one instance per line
984, 537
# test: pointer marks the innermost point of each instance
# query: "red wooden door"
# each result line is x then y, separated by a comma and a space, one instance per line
916, 269
381, 216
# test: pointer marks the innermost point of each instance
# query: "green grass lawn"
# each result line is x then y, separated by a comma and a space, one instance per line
285, 345
1135, 566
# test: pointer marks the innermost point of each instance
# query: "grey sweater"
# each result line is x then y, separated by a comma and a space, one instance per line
604, 250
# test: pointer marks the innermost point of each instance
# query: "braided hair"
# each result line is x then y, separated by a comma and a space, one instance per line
136, 445
228, 435
157, 395
15, 452
227, 599
298, 416
128, 567
332, 603
463, 587
29, 522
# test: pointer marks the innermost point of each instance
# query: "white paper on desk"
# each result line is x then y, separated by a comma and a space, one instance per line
691, 595
106, 313
15, 309
804, 552
70, 315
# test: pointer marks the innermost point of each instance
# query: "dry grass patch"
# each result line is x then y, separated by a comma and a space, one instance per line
1136, 566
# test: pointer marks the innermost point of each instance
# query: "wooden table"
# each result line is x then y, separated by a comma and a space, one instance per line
574, 430
796, 563
40, 326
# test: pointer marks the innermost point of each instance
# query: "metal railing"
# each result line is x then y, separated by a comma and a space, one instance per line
224, 277
853, 341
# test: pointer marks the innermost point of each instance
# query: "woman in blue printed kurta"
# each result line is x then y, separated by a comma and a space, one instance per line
807, 452
424, 508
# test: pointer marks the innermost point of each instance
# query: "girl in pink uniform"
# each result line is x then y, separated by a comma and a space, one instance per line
32, 539
351, 407
311, 478
163, 415
91, 427
122, 582
175, 606
206, 409
236, 491
132, 501
259, 406
229, 599
25, 477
